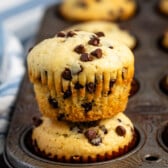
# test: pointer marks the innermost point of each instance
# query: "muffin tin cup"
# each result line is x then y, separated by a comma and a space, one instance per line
26, 147
160, 136
147, 109
28, 157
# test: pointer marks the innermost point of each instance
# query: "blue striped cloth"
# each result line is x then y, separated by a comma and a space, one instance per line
19, 23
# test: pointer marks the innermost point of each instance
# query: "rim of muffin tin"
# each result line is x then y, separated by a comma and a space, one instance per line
158, 83
139, 144
7, 162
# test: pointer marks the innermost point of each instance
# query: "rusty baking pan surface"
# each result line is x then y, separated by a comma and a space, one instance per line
148, 108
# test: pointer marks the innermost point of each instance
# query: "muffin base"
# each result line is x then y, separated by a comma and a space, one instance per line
88, 142
75, 109
79, 159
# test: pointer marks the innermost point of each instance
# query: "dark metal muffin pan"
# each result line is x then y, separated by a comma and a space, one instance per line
148, 108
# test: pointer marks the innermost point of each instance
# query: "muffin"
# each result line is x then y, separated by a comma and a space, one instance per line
111, 30
164, 41
81, 76
163, 7
85, 10
84, 142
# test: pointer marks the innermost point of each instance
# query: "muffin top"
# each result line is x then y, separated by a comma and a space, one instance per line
111, 30
84, 10
74, 53
163, 7
101, 137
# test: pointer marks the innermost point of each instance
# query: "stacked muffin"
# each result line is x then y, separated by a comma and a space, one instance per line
82, 82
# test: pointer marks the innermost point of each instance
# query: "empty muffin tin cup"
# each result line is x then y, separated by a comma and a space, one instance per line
163, 136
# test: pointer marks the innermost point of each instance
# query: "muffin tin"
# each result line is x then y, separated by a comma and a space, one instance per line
148, 108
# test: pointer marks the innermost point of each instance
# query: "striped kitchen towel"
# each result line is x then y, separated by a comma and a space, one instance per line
19, 22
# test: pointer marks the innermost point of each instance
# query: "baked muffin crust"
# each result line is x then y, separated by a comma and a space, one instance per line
59, 139
81, 76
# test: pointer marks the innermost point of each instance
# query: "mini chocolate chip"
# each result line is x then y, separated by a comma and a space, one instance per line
100, 34
93, 137
53, 102
87, 106
60, 116
81, 69
90, 87
111, 47
37, 121
86, 57
94, 41
104, 129
91, 133
96, 141
120, 130
66, 74
67, 94
112, 82
97, 53
71, 34
78, 85
119, 119
79, 49
60, 34
124, 72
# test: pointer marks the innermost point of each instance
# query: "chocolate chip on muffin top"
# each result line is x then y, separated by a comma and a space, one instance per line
95, 41
61, 34
80, 49
120, 130
97, 53
100, 34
